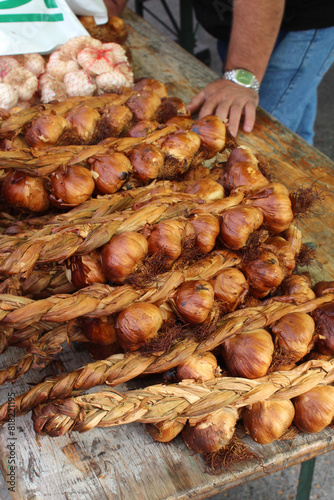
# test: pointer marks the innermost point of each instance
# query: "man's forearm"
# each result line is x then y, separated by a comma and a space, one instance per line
254, 32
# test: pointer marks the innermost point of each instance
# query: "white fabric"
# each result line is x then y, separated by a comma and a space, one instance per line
37, 26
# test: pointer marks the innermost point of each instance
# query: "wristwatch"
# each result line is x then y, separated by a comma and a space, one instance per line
242, 77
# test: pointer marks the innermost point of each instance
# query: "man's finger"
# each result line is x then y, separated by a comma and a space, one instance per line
234, 118
208, 108
196, 102
250, 116
223, 109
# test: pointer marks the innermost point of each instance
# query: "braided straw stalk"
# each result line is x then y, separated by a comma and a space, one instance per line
187, 400
55, 243
16, 122
40, 349
102, 300
42, 162
122, 367
38, 354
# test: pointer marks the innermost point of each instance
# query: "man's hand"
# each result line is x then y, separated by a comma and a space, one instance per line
227, 100
115, 7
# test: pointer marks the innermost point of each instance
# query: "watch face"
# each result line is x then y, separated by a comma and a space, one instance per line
244, 77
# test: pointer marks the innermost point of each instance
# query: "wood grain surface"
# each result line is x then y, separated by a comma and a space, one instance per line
125, 463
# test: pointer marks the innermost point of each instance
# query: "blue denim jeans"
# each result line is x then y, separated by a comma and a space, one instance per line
297, 65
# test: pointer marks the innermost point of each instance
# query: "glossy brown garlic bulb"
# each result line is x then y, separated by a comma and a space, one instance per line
241, 154
298, 287
115, 120
99, 330
147, 162
84, 120
230, 288
144, 105
121, 256
237, 224
110, 172
314, 409
21, 190
264, 273
71, 185
323, 287
275, 203
243, 175
212, 433
84, 270
266, 421
167, 238
181, 145
249, 354
200, 367
324, 321
45, 131
137, 324
206, 188
143, 128
212, 132
284, 251
207, 229
170, 107
164, 432
182, 122
294, 334
194, 300
153, 85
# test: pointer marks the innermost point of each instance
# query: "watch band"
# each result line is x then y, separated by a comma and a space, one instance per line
242, 77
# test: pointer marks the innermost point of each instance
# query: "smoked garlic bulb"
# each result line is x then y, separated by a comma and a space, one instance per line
167, 238
249, 354
194, 300
110, 172
294, 334
207, 229
99, 330
122, 255
324, 320
237, 224
230, 287
314, 409
212, 433
275, 203
164, 432
200, 367
137, 324
266, 421
71, 185
25, 191
212, 132
263, 273
45, 131
84, 270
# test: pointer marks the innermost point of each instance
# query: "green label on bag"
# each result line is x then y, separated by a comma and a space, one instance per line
51, 4
22, 18
12, 4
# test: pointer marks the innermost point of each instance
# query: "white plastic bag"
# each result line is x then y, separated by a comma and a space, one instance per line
28, 26
94, 8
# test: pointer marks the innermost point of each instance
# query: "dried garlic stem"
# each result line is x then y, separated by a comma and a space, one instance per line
177, 402
119, 368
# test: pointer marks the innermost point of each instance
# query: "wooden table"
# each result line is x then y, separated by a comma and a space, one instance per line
125, 463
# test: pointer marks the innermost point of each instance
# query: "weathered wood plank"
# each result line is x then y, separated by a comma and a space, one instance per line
293, 161
125, 463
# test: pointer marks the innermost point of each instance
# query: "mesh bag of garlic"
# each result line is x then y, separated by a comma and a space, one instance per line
85, 65
159, 243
